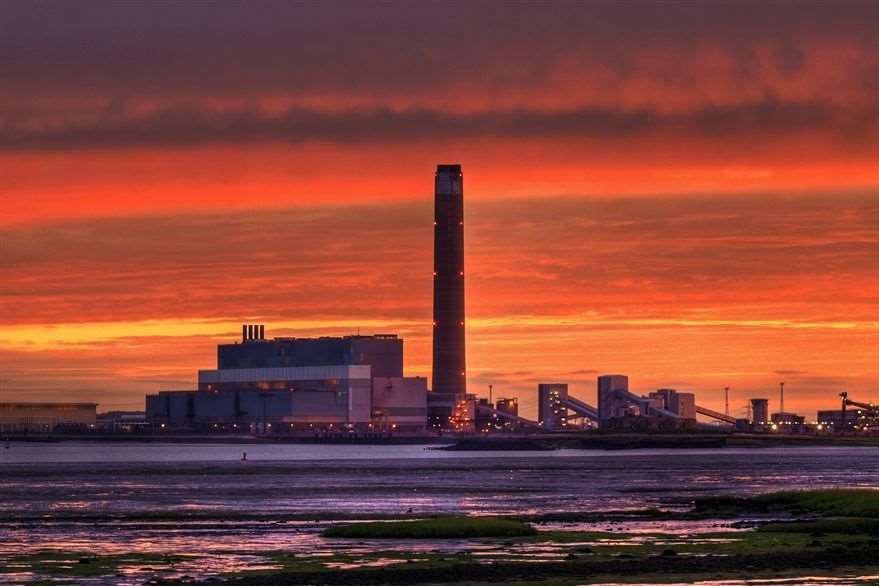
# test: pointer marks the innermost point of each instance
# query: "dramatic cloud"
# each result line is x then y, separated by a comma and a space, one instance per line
855, 129
113, 74
385, 50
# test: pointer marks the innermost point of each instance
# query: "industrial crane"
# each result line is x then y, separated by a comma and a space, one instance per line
872, 408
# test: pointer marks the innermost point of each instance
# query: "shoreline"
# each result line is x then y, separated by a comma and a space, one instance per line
531, 442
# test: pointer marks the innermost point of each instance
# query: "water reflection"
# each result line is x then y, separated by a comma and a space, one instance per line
220, 516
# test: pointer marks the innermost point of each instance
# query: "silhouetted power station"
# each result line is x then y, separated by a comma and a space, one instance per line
356, 384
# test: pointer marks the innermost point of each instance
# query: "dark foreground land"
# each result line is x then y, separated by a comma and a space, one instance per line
762, 539
833, 533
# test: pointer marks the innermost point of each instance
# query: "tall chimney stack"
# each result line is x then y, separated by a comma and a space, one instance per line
449, 363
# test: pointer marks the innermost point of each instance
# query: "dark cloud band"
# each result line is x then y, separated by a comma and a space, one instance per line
192, 125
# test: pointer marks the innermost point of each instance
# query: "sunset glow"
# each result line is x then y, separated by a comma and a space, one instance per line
697, 211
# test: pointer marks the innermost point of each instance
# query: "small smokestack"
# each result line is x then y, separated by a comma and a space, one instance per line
262, 332
249, 332
244, 333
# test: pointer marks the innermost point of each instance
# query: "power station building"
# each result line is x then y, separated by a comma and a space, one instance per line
300, 384
681, 404
552, 413
613, 400
382, 352
618, 408
760, 412
449, 376
355, 382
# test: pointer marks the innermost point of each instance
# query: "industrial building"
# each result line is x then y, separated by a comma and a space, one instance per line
864, 417
788, 422
477, 414
760, 412
551, 410
508, 406
557, 409
681, 404
122, 422
619, 409
613, 401
845, 420
46, 417
299, 385
382, 352
502, 416
663, 409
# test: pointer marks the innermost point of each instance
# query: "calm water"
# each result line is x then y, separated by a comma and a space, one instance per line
51, 494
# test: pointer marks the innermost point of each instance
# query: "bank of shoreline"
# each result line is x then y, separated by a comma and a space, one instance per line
529, 442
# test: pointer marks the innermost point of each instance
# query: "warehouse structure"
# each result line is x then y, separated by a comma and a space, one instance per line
46, 417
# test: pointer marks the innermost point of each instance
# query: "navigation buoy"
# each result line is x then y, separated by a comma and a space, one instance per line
244, 457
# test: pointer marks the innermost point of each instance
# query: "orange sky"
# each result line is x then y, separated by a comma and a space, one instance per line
682, 193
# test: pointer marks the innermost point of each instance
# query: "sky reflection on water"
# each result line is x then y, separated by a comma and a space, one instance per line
45, 488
